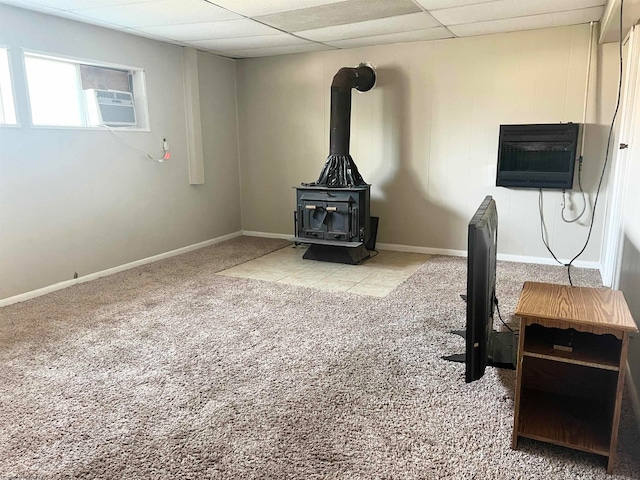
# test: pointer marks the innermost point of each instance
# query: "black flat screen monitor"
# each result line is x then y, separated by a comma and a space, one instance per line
538, 155
481, 286
484, 345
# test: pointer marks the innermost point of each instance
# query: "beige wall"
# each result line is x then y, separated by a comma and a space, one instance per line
425, 138
81, 201
630, 258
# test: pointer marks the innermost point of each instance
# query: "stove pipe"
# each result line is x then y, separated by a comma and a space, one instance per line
340, 170
362, 78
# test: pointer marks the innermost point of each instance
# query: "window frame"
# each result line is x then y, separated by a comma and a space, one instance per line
12, 84
139, 87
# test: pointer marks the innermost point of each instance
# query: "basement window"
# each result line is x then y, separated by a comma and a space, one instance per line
7, 106
69, 93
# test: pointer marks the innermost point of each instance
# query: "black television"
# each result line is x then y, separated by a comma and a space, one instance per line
484, 345
538, 155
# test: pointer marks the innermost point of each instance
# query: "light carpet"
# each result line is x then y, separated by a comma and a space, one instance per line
168, 371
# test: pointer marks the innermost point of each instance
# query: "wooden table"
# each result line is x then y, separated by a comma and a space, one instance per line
571, 363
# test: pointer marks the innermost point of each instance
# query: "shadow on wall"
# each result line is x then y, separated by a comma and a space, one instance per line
594, 153
400, 199
630, 286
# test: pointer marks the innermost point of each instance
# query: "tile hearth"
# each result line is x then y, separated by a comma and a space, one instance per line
375, 277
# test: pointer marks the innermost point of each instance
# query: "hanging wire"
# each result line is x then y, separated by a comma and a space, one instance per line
606, 157
584, 198
604, 168
166, 154
543, 229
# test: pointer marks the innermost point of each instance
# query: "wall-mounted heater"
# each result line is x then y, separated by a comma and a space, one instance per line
113, 108
538, 155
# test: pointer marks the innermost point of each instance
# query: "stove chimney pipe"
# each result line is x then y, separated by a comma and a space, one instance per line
340, 170
362, 78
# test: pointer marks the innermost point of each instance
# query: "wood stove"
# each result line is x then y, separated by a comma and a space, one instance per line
333, 213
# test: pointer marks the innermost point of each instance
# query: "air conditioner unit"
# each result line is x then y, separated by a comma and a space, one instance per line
110, 107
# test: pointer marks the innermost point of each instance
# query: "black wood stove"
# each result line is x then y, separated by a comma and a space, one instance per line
333, 213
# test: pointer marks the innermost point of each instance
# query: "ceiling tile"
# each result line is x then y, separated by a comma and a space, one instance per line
508, 9
271, 51
159, 12
415, 36
79, 18
77, 4
436, 4
211, 30
379, 26
138, 33
528, 23
348, 12
254, 8
243, 43
31, 6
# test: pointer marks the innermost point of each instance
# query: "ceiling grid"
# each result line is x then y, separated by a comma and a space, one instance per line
257, 28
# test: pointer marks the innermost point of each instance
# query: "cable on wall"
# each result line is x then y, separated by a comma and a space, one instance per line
584, 198
604, 166
606, 156
165, 146
584, 121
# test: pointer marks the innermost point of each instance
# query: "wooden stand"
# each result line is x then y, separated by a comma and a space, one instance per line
571, 364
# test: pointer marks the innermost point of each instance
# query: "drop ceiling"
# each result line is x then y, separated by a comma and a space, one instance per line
258, 28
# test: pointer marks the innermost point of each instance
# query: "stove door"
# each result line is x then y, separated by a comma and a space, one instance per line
314, 215
338, 221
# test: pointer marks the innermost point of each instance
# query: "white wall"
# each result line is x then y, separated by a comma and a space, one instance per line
629, 267
80, 201
425, 138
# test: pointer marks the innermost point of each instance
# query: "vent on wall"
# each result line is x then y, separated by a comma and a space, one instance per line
113, 108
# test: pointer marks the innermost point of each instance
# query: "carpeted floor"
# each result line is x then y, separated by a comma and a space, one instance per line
169, 371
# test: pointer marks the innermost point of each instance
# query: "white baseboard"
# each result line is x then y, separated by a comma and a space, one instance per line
103, 273
382, 246
426, 250
442, 251
633, 393
282, 236
546, 261
463, 253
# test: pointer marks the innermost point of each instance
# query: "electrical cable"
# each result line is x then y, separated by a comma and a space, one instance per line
495, 301
543, 229
584, 122
584, 199
604, 168
606, 157
165, 149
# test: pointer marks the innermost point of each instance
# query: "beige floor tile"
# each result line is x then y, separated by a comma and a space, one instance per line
373, 290
285, 269
376, 277
237, 271
335, 285
322, 267
351, 275
290, 251
266, 275
384, 279
302, 282
309, 275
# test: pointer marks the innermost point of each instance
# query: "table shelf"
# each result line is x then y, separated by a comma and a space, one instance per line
562, 420
570, 371
588, 349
